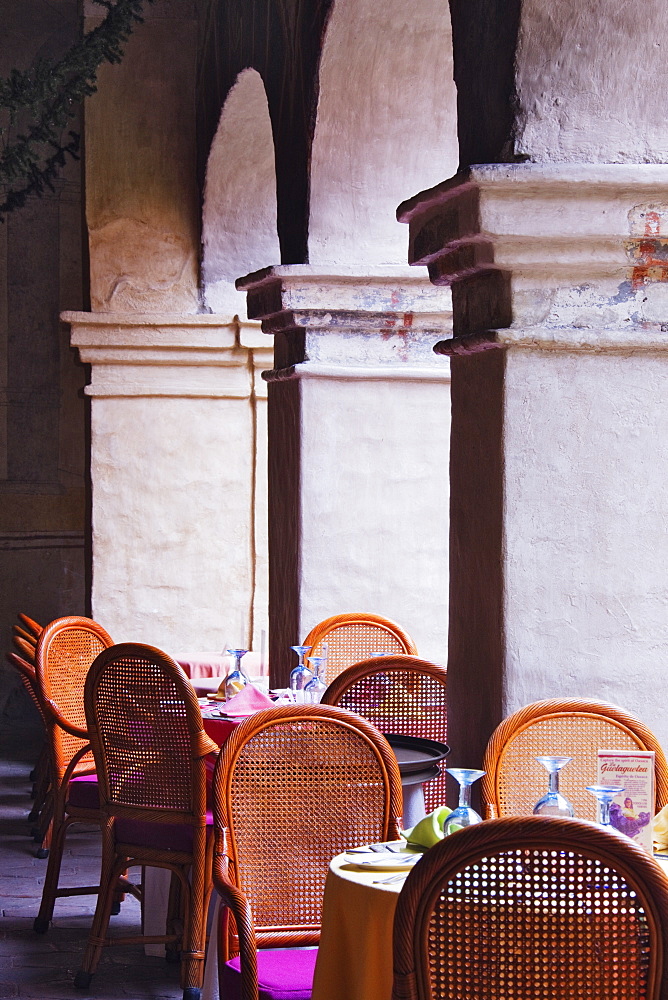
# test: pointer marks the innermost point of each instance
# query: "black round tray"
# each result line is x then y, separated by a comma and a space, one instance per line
415, 754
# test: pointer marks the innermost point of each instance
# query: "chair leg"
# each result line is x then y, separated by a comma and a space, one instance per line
194, 945
45, 915
100, 926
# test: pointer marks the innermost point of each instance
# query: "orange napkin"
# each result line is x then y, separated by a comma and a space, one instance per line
246, 702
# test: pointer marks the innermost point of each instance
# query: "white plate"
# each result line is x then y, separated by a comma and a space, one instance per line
382, 862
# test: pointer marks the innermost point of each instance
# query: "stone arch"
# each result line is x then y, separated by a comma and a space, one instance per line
239, 211
385, 126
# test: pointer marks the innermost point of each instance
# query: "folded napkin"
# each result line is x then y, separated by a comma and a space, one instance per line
660, 830
429, 830
246, 702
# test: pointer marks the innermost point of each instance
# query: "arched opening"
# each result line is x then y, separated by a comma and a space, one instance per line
385, 128
239, 214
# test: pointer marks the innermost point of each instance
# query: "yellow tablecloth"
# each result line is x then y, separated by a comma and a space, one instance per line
355, 953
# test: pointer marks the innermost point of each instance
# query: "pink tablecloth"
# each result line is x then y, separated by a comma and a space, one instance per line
205, 665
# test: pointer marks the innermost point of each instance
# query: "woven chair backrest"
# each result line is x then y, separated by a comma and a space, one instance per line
293, 787
514, 780
145, 727
398, 694
534, 909
26, 672
65, 650
354, 637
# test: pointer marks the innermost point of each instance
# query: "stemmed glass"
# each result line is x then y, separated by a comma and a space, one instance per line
300, 676
553, 804
604, 795
317, 686
236, 679
463, 815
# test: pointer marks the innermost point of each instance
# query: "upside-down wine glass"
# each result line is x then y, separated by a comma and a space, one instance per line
554, 803
463, 815
604, 795
236, 679
300, 676
317, 686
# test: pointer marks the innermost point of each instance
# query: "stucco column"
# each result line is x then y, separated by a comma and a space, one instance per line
359, 409
175, 486
559, 462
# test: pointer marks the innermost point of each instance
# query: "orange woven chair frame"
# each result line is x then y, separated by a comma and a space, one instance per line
532, 908
150, 750
398, 694
572, 727
294, 786
65, 650
354, 637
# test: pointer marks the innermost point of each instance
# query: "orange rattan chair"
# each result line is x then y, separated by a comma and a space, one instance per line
398, 694
354, 637
65, 650
30, 625
150, 750
293, 786
572, 727
42, 810
533, 908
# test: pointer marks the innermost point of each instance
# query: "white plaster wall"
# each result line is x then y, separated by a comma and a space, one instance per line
586, 545
375, 504
385, 128
591, 80
239, 214
171, 519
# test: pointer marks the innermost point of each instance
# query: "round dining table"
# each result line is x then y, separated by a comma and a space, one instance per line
355, 952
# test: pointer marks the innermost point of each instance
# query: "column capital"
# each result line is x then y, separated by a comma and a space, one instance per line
344, 321
164, 354
571, 257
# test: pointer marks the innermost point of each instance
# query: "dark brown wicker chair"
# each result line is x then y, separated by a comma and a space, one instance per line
65, 650
572, 727
398, 694
150, 750
536, 908
354, 637
293, 787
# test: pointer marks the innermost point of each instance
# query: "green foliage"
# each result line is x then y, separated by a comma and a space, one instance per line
36, 105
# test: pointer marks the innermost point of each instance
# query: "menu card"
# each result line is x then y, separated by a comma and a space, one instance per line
632, 810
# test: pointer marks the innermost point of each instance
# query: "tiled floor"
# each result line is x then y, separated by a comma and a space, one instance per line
43, 966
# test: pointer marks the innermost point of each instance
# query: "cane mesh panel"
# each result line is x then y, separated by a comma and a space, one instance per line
67, 659
352, 638
406, 702
521, 780
300, 794
146, 740
538, 925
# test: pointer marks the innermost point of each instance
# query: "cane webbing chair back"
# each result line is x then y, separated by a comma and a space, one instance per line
354, 637
398, 694
570, 727
294, 786
150, 749
65, 650
26, 672
147, 736
533, 908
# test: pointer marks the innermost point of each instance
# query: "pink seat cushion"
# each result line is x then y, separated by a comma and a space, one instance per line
283, 974
83, 792
162, 836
